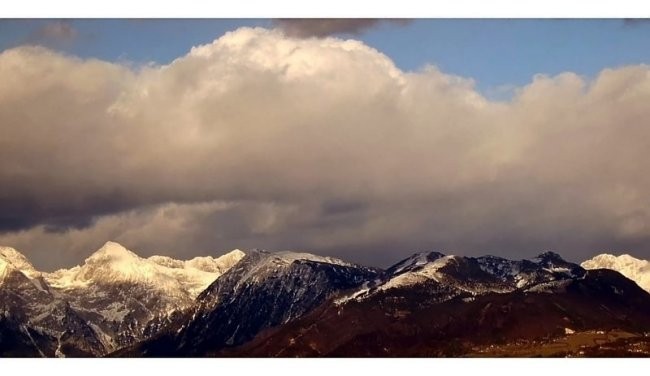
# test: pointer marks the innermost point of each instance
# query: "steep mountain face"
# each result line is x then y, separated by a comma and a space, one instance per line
631, 267
263, 290
123, 295
114, 299
30, 310
436, 305
19, 340
9, 257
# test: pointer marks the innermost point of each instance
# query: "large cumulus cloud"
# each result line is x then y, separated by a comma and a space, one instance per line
263, 140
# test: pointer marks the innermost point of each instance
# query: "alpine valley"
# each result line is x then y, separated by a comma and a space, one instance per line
293, 304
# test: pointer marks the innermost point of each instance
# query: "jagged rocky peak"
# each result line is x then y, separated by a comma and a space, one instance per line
216, 265
10, 256
550, 256
203, 263
166, 261
554, 263
206, 265
113, 263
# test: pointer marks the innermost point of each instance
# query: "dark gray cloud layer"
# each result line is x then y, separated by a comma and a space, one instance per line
264, 140
322, 27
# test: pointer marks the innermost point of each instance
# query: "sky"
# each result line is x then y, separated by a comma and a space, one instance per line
362, 139
499, 54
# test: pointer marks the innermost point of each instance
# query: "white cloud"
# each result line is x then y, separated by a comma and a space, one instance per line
291, 127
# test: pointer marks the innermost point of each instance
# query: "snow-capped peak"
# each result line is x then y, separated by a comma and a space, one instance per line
631, 267
216, 265
111, 251
261, 264
607, 260
198, 273
416, 260
113, 263
203, 263
9, 257
427, 270
290, 257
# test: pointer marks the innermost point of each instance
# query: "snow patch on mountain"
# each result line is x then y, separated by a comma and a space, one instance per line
198, 273
113, 264
429, 271
12, 261
363, 290
270, 263
9, 256
550, 287
216, 265
458, 275
289, 257
631, 267
498, 266
4, 266
415, 260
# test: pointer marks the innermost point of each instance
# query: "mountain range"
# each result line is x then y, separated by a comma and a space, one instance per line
260, 303
114, 299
